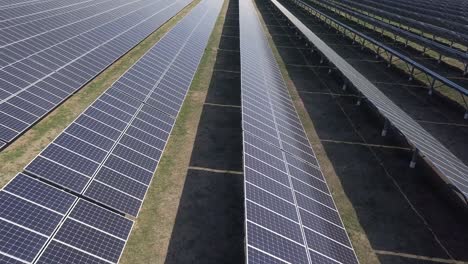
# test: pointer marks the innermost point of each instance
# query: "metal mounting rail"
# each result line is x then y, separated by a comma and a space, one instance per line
444, 162
393, 55
402, 20
440, 48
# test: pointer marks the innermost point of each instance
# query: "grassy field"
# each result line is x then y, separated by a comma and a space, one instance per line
151, 235
355, 231
16, 156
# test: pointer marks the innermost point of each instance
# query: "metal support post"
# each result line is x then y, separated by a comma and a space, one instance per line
385, 128
413, 159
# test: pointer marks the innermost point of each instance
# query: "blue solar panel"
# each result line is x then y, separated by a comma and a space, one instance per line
29, 211
102, 219
90, 240
27, 214
442, 160
19, 242
43, 65
58, 253
92, 229
290, 214
108, 154
8, 260
54, 172
40, 193
113, 197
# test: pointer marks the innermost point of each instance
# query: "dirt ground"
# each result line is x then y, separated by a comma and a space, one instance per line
210, 219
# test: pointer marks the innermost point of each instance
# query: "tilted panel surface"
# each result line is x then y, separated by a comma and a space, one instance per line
290, 214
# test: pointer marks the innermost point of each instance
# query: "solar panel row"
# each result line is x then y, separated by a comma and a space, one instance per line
8, 3
290, 214
17, 15
107, 156
32, 211
110, 152
444, 161
39, 70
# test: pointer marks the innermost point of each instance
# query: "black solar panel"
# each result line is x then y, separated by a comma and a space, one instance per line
290, 214
41, 66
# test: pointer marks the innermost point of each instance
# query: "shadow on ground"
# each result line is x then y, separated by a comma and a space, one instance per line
209, 226
404, 215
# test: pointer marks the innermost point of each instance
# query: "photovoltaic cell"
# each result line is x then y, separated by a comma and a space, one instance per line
58, 253
443, 160
8, 260
90, 240
290, 214
19, 242
108, 154
102, 219
29, 213
98, 233
41, 66
40, 193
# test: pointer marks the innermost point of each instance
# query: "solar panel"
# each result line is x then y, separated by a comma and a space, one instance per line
108, 155
33, 216
290, 214
90, 234
447, 164
9, 260
41, 66
29, 213
110, 152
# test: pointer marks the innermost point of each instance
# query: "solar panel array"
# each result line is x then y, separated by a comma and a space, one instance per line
32, 213
444, 161
449, 34
446, 50
49, 50
105, 159
290, 214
